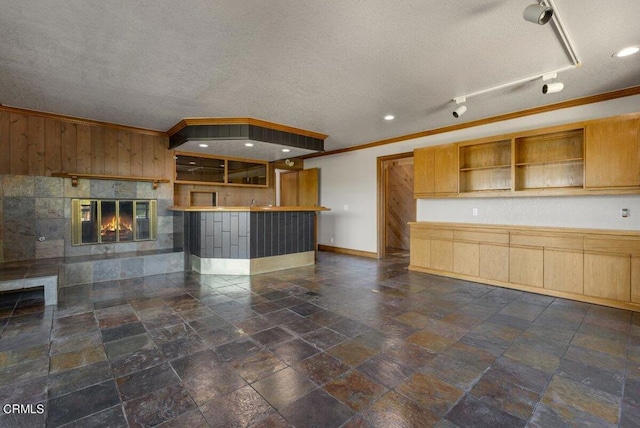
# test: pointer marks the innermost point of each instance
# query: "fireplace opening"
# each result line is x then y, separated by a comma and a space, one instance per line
96, 221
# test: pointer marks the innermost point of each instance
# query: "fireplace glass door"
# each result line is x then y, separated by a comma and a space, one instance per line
96, 221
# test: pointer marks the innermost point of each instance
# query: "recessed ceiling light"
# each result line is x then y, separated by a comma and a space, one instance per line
286, 150
389, 117
203, 145
248, 144
629, 50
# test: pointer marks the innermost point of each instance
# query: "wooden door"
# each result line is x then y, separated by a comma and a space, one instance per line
308, 187
400, 207
612, 154
300, 188
289, 189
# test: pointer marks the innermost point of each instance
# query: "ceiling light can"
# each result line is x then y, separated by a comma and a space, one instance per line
538, 14
629, 50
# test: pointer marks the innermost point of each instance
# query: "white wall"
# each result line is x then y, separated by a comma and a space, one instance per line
350, 179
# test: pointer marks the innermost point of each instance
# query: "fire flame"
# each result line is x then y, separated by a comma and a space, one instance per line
111, 225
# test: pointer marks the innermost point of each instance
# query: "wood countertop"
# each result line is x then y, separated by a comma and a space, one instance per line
259, 208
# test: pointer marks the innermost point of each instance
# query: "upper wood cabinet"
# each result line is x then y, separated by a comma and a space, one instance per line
573, 159
435, 171
612, 153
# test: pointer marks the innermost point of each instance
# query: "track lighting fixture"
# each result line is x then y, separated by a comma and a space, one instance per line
538, 13
461, 108
550, 88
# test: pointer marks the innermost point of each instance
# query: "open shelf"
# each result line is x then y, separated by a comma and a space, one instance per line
74, 176
550, 161
485, 167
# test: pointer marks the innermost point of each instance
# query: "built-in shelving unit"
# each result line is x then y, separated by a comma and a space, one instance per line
485, 167
550, 161
594, 157
194, 168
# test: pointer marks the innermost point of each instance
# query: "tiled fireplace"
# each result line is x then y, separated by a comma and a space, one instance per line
36, 224
97, 221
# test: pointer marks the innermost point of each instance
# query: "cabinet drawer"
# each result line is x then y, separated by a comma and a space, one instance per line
481, 236
559, 241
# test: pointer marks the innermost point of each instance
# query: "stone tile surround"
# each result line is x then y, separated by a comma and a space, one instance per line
33, 207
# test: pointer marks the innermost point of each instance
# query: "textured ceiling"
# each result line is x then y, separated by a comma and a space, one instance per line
332, 67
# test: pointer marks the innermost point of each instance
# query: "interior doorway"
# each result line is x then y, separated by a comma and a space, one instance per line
396, 205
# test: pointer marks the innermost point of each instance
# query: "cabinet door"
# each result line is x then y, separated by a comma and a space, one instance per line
563, 271
608, 276
423, 163
612, 154
466, 258
446, 168
420, 252
494, 262
442, 255
635, 279
526, 266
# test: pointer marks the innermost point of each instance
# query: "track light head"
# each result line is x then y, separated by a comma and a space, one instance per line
461, 108
459, 111
538, 14
550, 88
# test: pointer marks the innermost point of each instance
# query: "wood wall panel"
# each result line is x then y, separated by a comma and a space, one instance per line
19, 145
147, 156
136, 153
39, 144
110, 151
159, 156
400, 205
52, 146
83, 145
124, 153
69, 147
97, 150
5, 159
37, 149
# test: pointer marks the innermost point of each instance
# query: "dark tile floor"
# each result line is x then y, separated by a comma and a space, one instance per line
349, 342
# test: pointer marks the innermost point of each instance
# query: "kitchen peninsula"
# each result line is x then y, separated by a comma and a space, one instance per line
248, 240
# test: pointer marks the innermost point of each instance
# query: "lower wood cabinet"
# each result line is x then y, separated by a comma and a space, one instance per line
494, 262
466, 258
564, 271
608, 276
595, 266
526, 266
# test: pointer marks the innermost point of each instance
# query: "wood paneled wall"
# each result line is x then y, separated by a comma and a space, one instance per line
400, 204
41, 144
